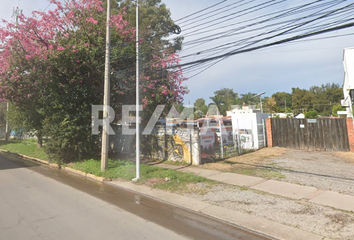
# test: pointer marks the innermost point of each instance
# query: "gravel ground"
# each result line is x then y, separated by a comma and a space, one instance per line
331, 171
323, 170
321, 220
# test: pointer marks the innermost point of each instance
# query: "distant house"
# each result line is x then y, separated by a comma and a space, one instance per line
243, 109
300, 115
282, 115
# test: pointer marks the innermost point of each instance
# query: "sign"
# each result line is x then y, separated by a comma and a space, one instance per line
311, 120
302, 126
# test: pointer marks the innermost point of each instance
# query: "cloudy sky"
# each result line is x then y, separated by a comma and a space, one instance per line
271, 70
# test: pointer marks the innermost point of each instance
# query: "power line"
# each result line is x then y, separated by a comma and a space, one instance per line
283, 13
205, 15
47, 7
200, 11
231, 53
228, 32
243, 11
237, 42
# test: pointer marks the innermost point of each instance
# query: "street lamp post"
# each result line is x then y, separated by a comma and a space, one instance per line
137, 140
260, 99
7, 123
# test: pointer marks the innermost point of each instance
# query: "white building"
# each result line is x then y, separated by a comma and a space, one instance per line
348, 85
244, 109
248, 125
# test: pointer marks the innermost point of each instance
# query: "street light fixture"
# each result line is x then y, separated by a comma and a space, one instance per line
260, 99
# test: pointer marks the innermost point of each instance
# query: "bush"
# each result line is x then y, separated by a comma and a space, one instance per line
69, 138
311, 114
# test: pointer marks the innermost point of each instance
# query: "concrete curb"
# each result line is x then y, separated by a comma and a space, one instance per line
71, 170
29, 158
87, 175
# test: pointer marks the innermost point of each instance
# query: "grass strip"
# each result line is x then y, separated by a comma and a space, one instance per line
26, 147
156, 177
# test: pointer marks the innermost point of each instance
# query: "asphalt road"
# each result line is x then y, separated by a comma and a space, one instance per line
41, 203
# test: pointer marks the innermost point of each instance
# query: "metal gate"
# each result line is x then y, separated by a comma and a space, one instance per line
326, 134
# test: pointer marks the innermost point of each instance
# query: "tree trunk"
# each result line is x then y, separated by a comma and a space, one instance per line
39, 140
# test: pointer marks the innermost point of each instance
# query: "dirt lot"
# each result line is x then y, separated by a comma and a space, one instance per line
324, 170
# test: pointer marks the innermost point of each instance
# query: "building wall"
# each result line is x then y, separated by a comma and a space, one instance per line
172, 143
261, 129
348, 84
249, 126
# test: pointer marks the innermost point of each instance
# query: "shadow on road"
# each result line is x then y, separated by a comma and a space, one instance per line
13, 161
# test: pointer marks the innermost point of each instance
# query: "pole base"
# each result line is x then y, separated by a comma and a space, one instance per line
135, 179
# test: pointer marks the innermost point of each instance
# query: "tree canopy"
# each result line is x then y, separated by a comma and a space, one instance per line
52, 65
324, 100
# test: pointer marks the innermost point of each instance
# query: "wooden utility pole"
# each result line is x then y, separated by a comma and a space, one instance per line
105, 136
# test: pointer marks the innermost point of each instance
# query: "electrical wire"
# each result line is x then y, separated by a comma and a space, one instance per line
201, 11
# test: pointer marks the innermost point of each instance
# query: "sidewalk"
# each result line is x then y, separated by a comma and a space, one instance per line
262, 226
279, 188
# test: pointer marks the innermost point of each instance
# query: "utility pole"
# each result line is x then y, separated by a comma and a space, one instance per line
137, 142
105, 136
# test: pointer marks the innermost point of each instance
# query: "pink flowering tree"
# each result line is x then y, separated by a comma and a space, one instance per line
52, 69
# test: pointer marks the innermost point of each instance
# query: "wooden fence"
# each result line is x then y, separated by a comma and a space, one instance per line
326, 134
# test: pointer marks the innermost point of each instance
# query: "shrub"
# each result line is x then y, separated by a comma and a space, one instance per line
70, 138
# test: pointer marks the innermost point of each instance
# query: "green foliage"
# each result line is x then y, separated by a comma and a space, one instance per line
155, 23
3, 113
165, 178
302, 100
53, 91
26, 120
289, 116
199, 104
283, 101
26, 147
198, 114
168, 179
219, 105
179, 107
270, 105
70, 138
224, 99
337, 107
249, 99
317, 98
311, 114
